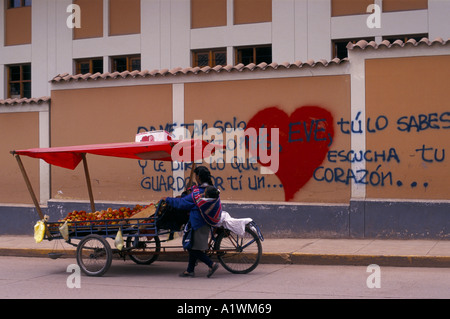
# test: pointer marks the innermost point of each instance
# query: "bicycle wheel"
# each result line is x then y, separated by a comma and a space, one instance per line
147, 249
94, 255
237, 254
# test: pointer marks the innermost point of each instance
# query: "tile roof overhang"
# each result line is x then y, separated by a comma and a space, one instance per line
362, 44
195, 70
23, 101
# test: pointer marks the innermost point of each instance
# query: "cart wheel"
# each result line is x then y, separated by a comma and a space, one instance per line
238, 255
147, 249
94, 255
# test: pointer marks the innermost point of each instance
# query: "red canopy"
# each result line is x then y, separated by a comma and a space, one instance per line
174, 150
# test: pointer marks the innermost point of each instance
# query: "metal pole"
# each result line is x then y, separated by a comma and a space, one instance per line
88, 182
31, 191
191, 178
30, 188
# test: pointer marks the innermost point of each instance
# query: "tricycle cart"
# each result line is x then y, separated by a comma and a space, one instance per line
238, 250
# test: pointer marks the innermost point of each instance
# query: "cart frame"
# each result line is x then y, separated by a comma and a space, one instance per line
238, 254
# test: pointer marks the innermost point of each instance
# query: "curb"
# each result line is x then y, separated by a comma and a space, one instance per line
356, 260
279, 258
25, 252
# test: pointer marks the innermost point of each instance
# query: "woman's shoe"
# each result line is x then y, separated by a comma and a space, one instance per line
187, 274
212, 270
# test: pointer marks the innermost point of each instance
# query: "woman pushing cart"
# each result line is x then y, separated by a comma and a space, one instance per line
235, 242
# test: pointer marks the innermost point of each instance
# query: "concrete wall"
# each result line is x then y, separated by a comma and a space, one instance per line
18, 129
362, 154
298, 30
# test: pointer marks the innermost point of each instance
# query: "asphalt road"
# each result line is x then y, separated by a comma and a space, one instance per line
31, 278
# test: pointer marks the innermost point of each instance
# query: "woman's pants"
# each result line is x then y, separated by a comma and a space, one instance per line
198, 254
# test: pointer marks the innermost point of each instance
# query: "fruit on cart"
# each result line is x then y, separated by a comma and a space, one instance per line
108, 216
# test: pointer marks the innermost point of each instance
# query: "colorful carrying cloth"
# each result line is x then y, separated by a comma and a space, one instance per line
210, 208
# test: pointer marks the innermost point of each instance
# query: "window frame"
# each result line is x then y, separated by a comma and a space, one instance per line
129, 62
211, 56
78, 63
335, 42
23, 3
21, 80
238, 54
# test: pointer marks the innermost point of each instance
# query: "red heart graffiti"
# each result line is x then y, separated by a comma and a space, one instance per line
304, 138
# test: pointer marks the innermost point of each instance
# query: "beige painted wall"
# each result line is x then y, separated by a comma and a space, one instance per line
217, 103
107, 115
17, 26
349, 7
104, 115
410, 93
92, 19
400, 5
124, 17
252, 11
18, 131
206, 13
406, 128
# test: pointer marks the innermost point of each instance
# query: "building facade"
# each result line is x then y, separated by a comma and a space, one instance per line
49, 37
363, 152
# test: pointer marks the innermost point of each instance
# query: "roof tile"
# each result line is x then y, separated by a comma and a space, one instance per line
362, 44
16, 101
252, 67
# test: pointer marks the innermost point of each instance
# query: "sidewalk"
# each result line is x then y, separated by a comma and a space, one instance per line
362, 252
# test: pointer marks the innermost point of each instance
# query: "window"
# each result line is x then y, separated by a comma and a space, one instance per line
126, 63
246, 55
19, 81
93, 65
209, 57
340, 47
18, 3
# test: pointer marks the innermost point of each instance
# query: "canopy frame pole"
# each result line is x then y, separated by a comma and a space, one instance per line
191, 177
29, 186
88, 182
32, 194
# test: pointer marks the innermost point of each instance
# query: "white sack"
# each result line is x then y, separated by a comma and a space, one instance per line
236, 225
